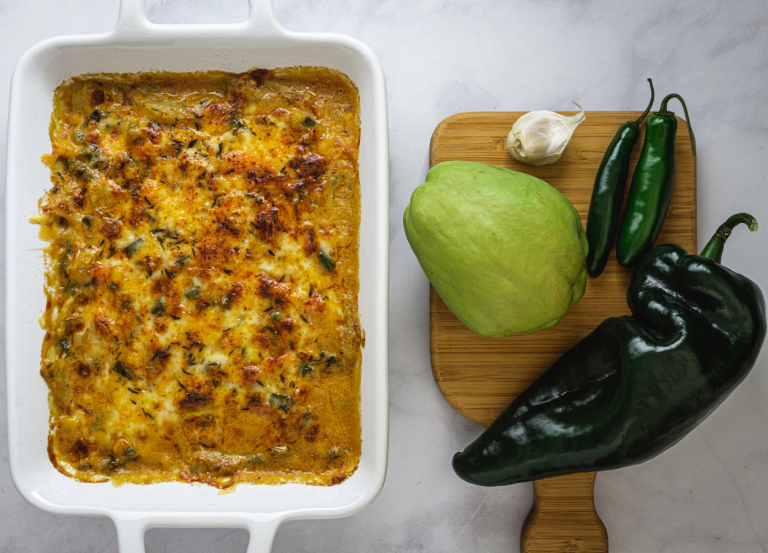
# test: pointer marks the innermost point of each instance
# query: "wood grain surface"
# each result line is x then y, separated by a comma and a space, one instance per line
480, 376
563, 518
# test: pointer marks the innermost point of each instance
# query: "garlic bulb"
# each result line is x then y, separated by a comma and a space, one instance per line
539, 137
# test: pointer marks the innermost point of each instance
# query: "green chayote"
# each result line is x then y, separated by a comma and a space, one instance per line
504, 250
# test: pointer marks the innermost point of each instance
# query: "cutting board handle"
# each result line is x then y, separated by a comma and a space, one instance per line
563, 518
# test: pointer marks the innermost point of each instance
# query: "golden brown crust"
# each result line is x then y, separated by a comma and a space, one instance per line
201, 277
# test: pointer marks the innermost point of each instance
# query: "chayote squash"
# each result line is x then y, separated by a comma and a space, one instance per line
504, 250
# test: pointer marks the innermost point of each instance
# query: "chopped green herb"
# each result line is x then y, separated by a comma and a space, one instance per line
87, 221
65, 345
309, 122
192, 144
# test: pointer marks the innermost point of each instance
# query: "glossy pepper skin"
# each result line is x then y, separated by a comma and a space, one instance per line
636, 385
608, 191
652, 185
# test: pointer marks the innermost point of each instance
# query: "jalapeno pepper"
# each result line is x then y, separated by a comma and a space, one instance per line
608, 192
652, 185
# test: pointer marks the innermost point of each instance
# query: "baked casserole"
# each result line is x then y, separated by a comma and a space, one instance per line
202, 277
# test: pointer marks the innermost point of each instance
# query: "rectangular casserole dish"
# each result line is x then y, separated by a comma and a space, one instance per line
138, 45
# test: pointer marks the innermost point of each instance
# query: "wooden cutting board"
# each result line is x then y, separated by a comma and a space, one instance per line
480, 376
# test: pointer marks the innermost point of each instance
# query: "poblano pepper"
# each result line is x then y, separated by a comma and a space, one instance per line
636, 385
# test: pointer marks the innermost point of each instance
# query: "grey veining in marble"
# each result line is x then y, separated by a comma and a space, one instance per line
709, 493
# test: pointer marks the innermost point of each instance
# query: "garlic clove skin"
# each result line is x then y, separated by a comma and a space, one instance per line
539, 137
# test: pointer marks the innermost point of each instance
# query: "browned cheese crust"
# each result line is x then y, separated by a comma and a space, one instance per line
202, 277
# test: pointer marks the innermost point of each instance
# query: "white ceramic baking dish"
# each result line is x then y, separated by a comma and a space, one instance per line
138, 45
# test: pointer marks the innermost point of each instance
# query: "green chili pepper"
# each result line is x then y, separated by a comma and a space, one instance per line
326, 261
652, 185
305, 369
133, 247
608, 192
122, 370
636, 385
193, 292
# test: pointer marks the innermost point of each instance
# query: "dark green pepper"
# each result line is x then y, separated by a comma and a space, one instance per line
652, 184
636, 385
608, 192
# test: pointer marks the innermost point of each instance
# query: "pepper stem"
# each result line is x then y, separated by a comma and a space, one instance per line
640, 119
663, 111
714, 248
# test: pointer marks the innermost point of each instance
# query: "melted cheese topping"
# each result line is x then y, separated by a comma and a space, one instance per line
201, 277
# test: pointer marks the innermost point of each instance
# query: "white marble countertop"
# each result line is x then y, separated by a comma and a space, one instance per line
707, 494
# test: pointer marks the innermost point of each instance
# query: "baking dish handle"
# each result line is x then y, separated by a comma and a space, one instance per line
133, 18
262, 534
261, 17
130, 533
